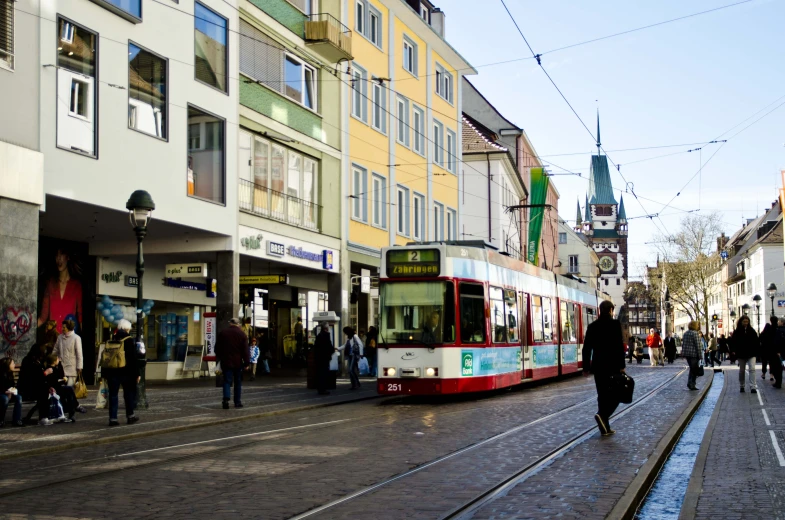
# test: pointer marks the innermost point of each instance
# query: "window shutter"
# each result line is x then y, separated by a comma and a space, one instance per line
261, 57
7, 32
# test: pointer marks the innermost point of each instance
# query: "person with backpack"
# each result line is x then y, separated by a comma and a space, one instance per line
120, 367
352, 351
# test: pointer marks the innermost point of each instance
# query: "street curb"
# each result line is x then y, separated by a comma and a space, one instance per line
628, 504
172, 429
690, 505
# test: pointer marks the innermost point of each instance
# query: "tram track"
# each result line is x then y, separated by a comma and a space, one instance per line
465, 510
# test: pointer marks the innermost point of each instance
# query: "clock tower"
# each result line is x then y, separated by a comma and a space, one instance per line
605, 226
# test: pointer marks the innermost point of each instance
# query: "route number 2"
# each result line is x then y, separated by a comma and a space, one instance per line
394, 387
414, 256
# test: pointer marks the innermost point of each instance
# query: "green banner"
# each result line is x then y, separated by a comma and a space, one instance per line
539, 191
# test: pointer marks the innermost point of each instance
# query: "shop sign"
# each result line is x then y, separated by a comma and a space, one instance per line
268, 279
327, 259
252, 242
191, 286
210, 332
275, 248
186, 270
131, 281
298, 252
112, 277
212, 288
365, 281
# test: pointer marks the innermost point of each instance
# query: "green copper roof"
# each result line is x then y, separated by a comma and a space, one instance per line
605, 233
622, 213
600, 187
578, 220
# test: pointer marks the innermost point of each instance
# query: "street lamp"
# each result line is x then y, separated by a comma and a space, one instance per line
140, 207
772, 290
745, 309
757, 300
732, 320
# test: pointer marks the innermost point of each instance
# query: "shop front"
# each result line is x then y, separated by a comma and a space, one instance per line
283, 282
178, 292
364, 288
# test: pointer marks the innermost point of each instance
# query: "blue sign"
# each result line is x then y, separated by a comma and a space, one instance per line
276, 249
327, 259
490, 361
544, 356
724, 255
569, 353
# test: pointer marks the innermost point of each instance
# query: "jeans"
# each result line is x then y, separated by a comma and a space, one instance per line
266, 365
354, 371
607, 400
129, 395
67, 399
236, 375
693, 363
5, 400
748, 364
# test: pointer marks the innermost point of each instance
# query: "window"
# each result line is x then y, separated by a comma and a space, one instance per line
438, 221
425, 14
360, 194
498, 317
79, 92
374, 26
606, 281
574, 264
438, 143
511, 316
76, 80
402, 121
210, 30
444, 83
451, 159
300, 82
618, 281
306, 6
452, 217
368, 22
562, 238
423, 312
379, 121
403, 211
7, 34
379, 201
419, 130
147, 92
130, 9
569, 332
419, 217
410, 57
472, 302
360, 93
206, 162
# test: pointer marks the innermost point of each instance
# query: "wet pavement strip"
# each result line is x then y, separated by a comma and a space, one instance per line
664, 500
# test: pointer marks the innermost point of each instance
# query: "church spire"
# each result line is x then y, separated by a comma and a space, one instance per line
578, 220
622, 213
599, 142
587, 214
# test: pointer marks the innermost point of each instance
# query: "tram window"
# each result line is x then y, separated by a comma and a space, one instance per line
547, 320
589, 315
511, 306
537, 329
472, 313
498, 316
568, 332
421, 312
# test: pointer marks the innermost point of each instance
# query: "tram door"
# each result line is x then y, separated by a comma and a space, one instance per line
523, 322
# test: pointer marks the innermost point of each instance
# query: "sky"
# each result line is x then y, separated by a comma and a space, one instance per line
682, 83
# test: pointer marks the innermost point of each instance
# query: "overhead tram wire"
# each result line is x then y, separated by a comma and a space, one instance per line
538, 57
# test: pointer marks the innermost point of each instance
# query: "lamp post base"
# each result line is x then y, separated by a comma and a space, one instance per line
141, 395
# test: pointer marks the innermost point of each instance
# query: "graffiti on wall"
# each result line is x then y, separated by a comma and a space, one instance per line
15, 324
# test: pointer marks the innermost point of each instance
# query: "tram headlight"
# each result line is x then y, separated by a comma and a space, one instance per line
390, 371
431, 372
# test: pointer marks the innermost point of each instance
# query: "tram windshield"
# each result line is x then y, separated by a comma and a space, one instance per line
417, 312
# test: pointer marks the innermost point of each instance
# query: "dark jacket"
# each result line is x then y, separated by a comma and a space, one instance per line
6, 382
744, 343
56, 379
603, 348
670, 347
231, 348
31, 376
323, 348
132, 365
779, 347
768, 340
722, 344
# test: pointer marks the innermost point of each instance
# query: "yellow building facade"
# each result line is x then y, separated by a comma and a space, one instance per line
402, 152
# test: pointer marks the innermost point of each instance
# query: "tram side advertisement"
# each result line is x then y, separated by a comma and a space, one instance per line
490, 361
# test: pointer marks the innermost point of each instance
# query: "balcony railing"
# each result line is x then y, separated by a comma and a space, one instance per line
262, 201
335, 38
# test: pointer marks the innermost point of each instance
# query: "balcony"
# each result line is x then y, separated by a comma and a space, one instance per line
264, 202
331, 38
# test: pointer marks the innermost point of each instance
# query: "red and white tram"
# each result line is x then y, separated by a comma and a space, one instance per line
460, 317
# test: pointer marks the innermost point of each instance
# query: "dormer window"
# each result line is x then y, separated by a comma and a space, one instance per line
425, 13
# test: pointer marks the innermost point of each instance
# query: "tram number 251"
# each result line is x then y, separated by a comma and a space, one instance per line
394, 387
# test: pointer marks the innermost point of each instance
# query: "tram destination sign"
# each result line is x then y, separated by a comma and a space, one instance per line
413, 262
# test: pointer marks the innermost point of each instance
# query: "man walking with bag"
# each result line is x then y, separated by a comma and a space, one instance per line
603, 355
231, 349
654, 342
